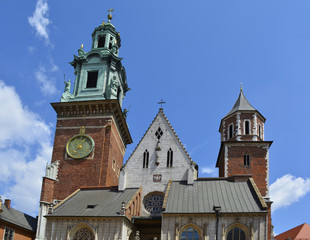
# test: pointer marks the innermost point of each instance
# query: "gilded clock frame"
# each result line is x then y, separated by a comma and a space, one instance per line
80, 135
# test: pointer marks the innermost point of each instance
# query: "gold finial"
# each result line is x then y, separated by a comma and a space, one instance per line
103, 22
110, 14
82, 130
118, 33
82, 45
241, 87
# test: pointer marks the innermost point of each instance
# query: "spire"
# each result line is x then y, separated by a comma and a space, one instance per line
242, 104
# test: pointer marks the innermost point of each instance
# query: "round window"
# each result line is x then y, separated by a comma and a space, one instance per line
153, 202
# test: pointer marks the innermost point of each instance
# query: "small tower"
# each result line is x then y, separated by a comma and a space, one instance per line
243, 149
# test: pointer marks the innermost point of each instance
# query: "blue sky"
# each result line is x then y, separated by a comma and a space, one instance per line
192, 54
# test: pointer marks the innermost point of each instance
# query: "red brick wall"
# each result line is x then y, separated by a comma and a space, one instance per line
258, 164
47, 190
19, 234
90, 171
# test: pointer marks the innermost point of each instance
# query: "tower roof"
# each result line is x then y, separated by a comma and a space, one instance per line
242, 104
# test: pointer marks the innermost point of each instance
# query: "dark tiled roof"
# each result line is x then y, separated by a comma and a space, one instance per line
18, 218
106, 202
233, 197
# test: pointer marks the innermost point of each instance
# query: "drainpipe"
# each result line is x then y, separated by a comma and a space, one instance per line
217, 210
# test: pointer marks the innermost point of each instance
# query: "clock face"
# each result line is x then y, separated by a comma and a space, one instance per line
80, 146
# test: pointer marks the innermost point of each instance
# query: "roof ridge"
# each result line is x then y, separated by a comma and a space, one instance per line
11, 214
176, 135
142, 138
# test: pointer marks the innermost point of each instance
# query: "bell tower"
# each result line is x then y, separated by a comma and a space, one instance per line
243, 149
91, 131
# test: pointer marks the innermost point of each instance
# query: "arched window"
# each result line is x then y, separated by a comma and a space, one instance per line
236, 234
84, 234
146, 159
169, 158
153, 202
189, 233
247, 127
230, 131
246, 159
101, 41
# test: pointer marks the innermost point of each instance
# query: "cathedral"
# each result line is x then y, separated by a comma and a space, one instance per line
88, 193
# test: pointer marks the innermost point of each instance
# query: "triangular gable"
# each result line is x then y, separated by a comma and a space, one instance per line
154, 175
161, 111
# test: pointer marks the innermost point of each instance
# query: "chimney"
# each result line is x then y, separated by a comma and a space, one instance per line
7, 203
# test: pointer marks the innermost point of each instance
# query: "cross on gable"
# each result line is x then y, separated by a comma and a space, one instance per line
161, 103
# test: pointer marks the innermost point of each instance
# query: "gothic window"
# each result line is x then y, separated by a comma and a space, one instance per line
101, 41
189, 233
146, 159
236, 234
246, 159
153, 202
9, 233
84, 234
159, 133
247, 127
169, 158
92, 78
230, 131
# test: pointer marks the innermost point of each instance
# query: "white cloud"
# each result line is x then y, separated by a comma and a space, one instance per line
39, 20
209, 170
25, 148
287, 190
47, 83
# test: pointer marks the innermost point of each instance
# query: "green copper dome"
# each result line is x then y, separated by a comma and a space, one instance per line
99, 73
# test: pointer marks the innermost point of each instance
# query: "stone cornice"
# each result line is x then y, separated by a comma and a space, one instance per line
95, 108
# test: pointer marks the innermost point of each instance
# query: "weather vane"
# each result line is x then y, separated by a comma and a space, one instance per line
161, 103
241, 86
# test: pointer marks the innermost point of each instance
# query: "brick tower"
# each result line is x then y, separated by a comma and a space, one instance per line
91, 132
243, 150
